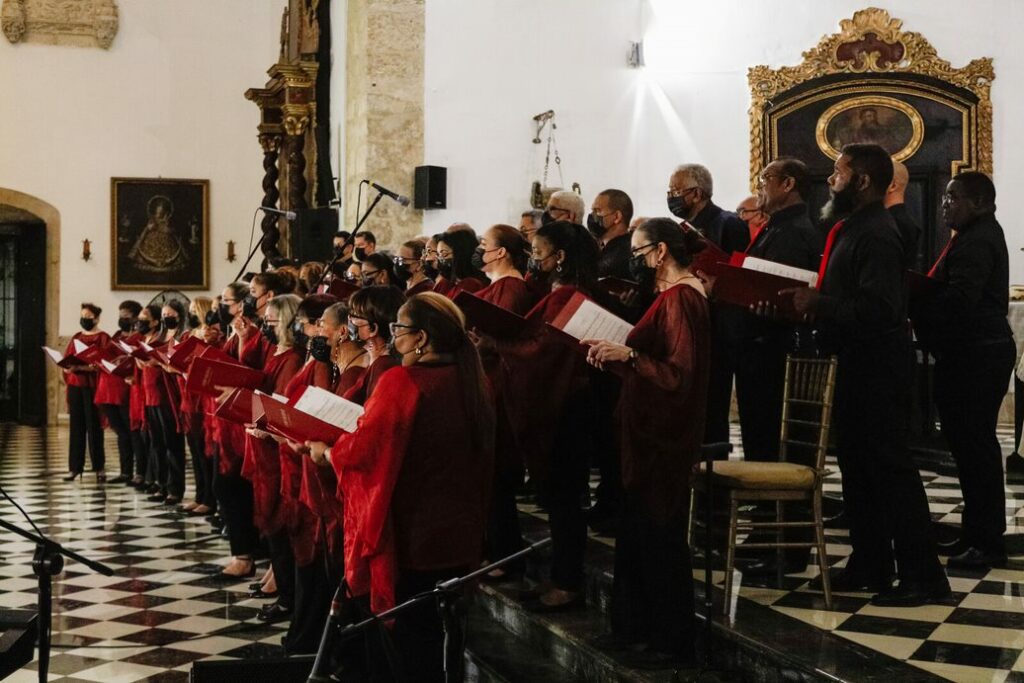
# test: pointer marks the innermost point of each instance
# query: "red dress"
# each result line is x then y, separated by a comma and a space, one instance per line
420, 287
84, 379
413, 452
451, 289
111, 390
663, 400
230, 437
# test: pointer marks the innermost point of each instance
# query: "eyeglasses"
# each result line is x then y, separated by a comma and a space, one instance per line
368, 274
401, 260
394, 327
682, 192
761, 179
637, 250
743, 212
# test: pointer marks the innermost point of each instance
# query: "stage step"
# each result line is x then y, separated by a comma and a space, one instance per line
494, 655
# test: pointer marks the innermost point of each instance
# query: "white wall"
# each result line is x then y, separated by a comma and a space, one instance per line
165, 100
492, 64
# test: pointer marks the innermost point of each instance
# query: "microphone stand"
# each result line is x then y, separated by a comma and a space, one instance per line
711, 453
454, 635
349, 240
48, 562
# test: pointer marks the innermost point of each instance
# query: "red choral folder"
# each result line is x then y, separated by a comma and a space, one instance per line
616, 286
96, 353
920, 286
489, 318
709, 259
295, 425
342, 288
182, 354
236, 407
123, 367
745, 287
603, 325
214, 353
62, 361
206, 375
142, 351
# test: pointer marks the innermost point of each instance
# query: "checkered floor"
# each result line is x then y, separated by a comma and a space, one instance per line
162, 611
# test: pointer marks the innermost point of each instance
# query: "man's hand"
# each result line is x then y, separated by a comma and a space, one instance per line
318, 453
805, 300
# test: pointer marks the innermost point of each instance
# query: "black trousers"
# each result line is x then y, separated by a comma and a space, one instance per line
315, 585
566, 483
969, 387
202, 466
609, 490
282, 560
723, 367
760, 382
167, 446
142, 453
882, 489
504, 536
84, 417
234, 493
652, 593
128, 442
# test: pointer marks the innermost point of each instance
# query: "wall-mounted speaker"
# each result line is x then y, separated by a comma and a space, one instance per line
431, 187
311, 234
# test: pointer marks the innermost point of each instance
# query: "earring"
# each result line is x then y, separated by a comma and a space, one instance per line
658, 264
558, 268
419, 351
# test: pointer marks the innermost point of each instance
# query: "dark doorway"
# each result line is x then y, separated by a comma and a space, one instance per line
22, 317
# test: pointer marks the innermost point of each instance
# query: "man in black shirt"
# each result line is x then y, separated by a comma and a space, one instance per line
964, 325
909, 231
608, 222
689, 197
859, 310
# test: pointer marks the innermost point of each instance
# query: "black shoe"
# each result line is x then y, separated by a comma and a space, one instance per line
221, 576
152, 488
975, 558
843, 581
119, 479
653, 660
1015, 467
156, 497
138, 484
840, 521
603, 520
913, 594
767, 568
273, 613
71, 476
954, 548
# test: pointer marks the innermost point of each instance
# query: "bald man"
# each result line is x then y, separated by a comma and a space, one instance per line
910, 232
750, 211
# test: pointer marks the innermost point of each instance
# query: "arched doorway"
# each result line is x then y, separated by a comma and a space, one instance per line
29, 245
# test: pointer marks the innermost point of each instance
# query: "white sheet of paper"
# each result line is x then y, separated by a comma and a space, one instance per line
54, 354
79, 346
781, 269
110, 367
330, 408
125, 347
590, 321
277, 397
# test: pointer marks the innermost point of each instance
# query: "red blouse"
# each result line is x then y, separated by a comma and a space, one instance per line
111, 389
420, 287
84, 379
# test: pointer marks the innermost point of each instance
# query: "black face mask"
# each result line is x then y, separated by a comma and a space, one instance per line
402, 272
444, 268
269, 333
546, 218
596, 226
87, 323
301, 338
320, 349
170, 322
143, 326
360, 254
642, 273
193, 320
338, 250
368, 280
477, 259
249, 307
353, 332
678, 207
430, 269
224, 314
125, 324
536, 266
212, 317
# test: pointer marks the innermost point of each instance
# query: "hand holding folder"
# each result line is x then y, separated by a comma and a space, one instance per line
207, 374
748, 281
316, 415
63, 362
490, 319
581, 318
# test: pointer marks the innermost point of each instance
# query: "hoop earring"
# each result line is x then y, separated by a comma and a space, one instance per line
558, 268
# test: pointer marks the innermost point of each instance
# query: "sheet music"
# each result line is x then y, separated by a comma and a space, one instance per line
277, 397
79, 346
330, 408
55, 355
590, 321
125, 347
782, 270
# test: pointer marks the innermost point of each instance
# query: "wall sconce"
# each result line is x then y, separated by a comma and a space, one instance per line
86, 250
231, 251
636, 55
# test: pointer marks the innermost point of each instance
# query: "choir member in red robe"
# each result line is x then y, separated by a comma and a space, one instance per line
410, 267
502, 256
113, 399
82, 411
455, 264
378, 269
552, 405
163, 411
415, 477
664, 368
371, 312
193, 410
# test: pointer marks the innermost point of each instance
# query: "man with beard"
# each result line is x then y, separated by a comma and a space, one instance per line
964, 325
858, 307
689, 198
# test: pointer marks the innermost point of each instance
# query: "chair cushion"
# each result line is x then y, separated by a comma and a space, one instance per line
762, 475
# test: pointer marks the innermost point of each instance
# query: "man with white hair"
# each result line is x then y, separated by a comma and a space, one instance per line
910, 231
529, 223
565, 206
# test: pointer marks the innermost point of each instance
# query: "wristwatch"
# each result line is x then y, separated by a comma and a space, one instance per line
633, 355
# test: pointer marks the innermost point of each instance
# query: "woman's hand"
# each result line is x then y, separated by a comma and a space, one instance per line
212, 334
602, 352
258, 433
318, 453
483, 342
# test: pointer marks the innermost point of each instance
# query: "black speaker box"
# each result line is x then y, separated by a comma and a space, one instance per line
431, 187
311, 234
283, 670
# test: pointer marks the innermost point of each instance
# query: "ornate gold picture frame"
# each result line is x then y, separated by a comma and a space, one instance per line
891, 123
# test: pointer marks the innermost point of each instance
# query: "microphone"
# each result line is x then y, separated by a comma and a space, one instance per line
401, 199
289, 215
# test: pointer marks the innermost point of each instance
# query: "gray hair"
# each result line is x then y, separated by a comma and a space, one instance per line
569, 201
700, 175
536, 215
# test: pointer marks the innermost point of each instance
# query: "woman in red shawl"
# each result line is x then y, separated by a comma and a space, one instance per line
455, 263
664, 368
410, 267
112, 397
415, 477
83, 414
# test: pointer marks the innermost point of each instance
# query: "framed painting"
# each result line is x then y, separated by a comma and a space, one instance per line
159, 233
886, 121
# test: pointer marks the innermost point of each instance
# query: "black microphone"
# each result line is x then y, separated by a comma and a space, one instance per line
401, 199
289, 215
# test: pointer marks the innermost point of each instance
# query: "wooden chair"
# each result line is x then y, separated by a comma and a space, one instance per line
806, 410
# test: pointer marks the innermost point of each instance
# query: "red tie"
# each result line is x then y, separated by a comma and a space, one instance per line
942, 256
753, 240
829, 241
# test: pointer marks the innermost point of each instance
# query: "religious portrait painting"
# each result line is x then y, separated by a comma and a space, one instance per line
159, 233
885, 121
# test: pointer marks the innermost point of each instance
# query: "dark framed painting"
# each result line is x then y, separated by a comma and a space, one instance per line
892, 123
159, 233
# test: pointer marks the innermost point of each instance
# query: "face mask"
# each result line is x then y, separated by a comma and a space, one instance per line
596, 226
170, 322
249, 306
269, 333
546, 218
444, 268
124, 324
536, 265
224, 313
320, 349
678, 207
360, 253
212, 317
338, 250
368, 280
402, 272
193, 320
87, 323
430, 269
641, 272
143, 326
301, 338
353, 332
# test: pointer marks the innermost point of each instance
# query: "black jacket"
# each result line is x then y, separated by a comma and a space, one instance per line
724, 228
909, 232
